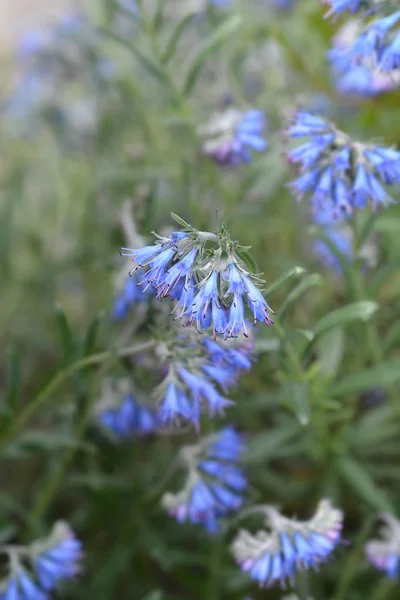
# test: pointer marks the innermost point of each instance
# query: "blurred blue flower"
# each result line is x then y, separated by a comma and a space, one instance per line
130, 295
52, 560
128, 420
338, 172
57, 559
288, 545
22, 587
384, 553
339, 233
339, 6
230, 136
215, 482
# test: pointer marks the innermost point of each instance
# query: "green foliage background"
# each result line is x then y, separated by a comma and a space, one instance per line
320, 408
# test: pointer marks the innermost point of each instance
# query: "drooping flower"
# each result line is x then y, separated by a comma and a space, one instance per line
288, 545
384, 553
215, 482
339, 173
211, 286
57, 558
129, 419
199, 373
36, 570
232, 134
362, 77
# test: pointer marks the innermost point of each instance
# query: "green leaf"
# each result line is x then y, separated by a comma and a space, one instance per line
89, 341
222, 33
330, 348
158, 16
384, 375
359, 480
47, 441
392, 337
147, 63
266, 445
382, 274
306, 284
181, 222
292, 273
66, 335
12, 377
357, 311
296, 399
156, 595
176, 35
270, 344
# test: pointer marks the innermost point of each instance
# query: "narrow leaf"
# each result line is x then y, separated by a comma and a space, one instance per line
65, 331
222, 33
306, 284
359, 480
330, 348
357, 311
175, 38
13, 378
158, 16
89, 341
384, 375
293, 273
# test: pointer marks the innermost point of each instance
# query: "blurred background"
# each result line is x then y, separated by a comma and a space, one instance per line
100, 142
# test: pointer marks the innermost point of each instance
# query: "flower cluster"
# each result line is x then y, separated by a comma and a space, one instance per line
215, 482
129, 419
338, 172
361, 78
211, 286
379, 41
384, 553
275, 555
196, 368
230, 135
50, 561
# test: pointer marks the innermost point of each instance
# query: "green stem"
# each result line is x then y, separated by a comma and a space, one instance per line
50, 488
59, 378
213, 592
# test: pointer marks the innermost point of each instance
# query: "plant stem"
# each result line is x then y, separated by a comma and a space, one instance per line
59, 378
50, 489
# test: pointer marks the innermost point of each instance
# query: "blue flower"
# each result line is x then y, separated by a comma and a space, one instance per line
384, 553
22, 587
215, 483
339, 6
339, 172
335, 228
130, 295
128, 420
59, 559
231, 135
289, 545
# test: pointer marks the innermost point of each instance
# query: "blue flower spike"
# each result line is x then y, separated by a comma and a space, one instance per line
200, 371
289, 545
215, 482
384, 553
57, 558
338, 173
50, 561
212, 286
231, 135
